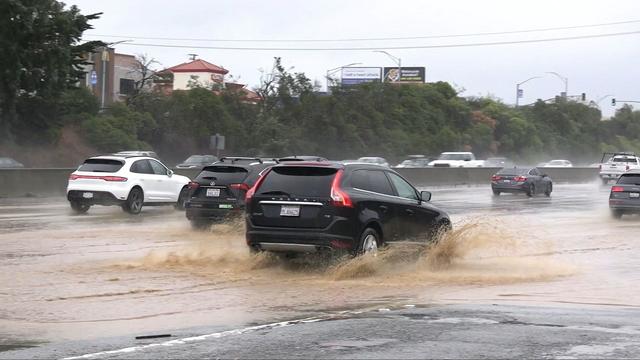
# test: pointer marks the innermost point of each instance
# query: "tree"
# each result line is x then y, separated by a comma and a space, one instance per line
145, 74
40, 55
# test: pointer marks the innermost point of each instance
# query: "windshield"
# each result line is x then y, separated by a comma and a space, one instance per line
222, 175
625, 160
298, 181
101, 165
514, 171
631, 179
197, 159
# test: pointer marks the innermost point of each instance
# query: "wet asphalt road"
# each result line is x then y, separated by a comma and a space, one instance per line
543, 277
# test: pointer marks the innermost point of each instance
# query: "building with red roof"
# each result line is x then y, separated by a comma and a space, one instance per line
196, 73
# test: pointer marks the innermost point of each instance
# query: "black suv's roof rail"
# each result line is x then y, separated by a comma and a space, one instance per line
233, 159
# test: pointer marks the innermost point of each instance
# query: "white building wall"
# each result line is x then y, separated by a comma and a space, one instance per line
181, 80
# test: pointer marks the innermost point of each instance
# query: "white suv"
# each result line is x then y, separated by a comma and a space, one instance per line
128, 181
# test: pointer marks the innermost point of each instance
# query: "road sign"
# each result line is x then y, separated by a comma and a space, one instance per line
217, 142
94, 77
520, 93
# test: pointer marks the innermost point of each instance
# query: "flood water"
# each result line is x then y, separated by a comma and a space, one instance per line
67, 277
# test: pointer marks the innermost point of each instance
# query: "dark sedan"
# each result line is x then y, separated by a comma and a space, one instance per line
625, 195
521, 180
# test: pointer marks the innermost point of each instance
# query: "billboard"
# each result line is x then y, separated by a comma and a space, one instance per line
406, 75
360, 75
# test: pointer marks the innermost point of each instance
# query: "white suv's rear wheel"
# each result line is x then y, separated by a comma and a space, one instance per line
78, 207
134, 202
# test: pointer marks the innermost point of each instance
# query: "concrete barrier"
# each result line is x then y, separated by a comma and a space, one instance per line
53, 182
476, 176
46, 182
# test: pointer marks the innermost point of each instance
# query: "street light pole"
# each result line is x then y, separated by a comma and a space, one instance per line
397, 60
518, 88
331, 71
565, 80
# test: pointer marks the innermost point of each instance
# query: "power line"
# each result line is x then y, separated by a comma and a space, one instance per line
375, 39
388, 47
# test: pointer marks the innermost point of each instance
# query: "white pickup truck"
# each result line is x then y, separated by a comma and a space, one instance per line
617, 165
456, 159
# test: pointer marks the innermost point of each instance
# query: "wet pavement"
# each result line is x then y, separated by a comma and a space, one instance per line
75, 285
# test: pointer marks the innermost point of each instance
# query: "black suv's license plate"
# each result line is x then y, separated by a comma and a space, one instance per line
290, 210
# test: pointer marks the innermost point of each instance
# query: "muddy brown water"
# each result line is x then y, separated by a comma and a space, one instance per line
68, 277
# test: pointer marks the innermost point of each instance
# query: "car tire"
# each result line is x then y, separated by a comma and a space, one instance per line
182, 199
200, 224
496, 192
134, 202
547, 192
78, 207
617, 214
531, 191
369, 242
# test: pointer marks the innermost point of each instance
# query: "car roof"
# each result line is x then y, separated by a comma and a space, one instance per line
122, 157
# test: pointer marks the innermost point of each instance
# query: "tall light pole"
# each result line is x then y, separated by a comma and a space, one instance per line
397, 60
564, 79
331, 71
105, 59
518, 94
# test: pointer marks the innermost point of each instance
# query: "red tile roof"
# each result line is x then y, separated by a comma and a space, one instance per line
198, 66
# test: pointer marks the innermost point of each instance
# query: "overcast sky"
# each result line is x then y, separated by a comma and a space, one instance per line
595, 66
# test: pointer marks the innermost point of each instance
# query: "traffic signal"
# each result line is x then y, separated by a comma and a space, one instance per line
584, 97
613, 102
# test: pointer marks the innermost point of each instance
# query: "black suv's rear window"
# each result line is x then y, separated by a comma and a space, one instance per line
223, 175
299, 181
631, 179
101, 165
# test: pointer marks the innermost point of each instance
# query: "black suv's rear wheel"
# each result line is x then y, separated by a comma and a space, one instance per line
547, 192
182, 198
78, 207
370, 240
134, 202
617, 214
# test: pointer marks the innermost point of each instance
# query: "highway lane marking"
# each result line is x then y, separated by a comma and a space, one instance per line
193, 339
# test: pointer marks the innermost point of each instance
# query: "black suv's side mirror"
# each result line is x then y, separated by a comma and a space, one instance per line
425, 195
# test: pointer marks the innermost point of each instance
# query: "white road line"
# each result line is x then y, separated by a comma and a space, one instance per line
215, 335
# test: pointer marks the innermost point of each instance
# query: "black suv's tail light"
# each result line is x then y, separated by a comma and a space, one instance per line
339, 197
252, 191
193, 185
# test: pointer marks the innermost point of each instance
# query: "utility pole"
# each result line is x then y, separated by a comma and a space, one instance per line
105, 59
193, 57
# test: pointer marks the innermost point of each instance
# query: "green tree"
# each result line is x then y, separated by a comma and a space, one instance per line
40, 58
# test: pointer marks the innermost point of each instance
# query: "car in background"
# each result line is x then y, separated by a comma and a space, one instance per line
374, 160
312, 207
457, 159
414, 163
617, 165
9, 163
138, 153
530, 181
127, 181
558, 164
301, 158
197, 162
218, 191
498, 162
624, 197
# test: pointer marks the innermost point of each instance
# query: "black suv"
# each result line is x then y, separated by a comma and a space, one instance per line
312, 206
218, 191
